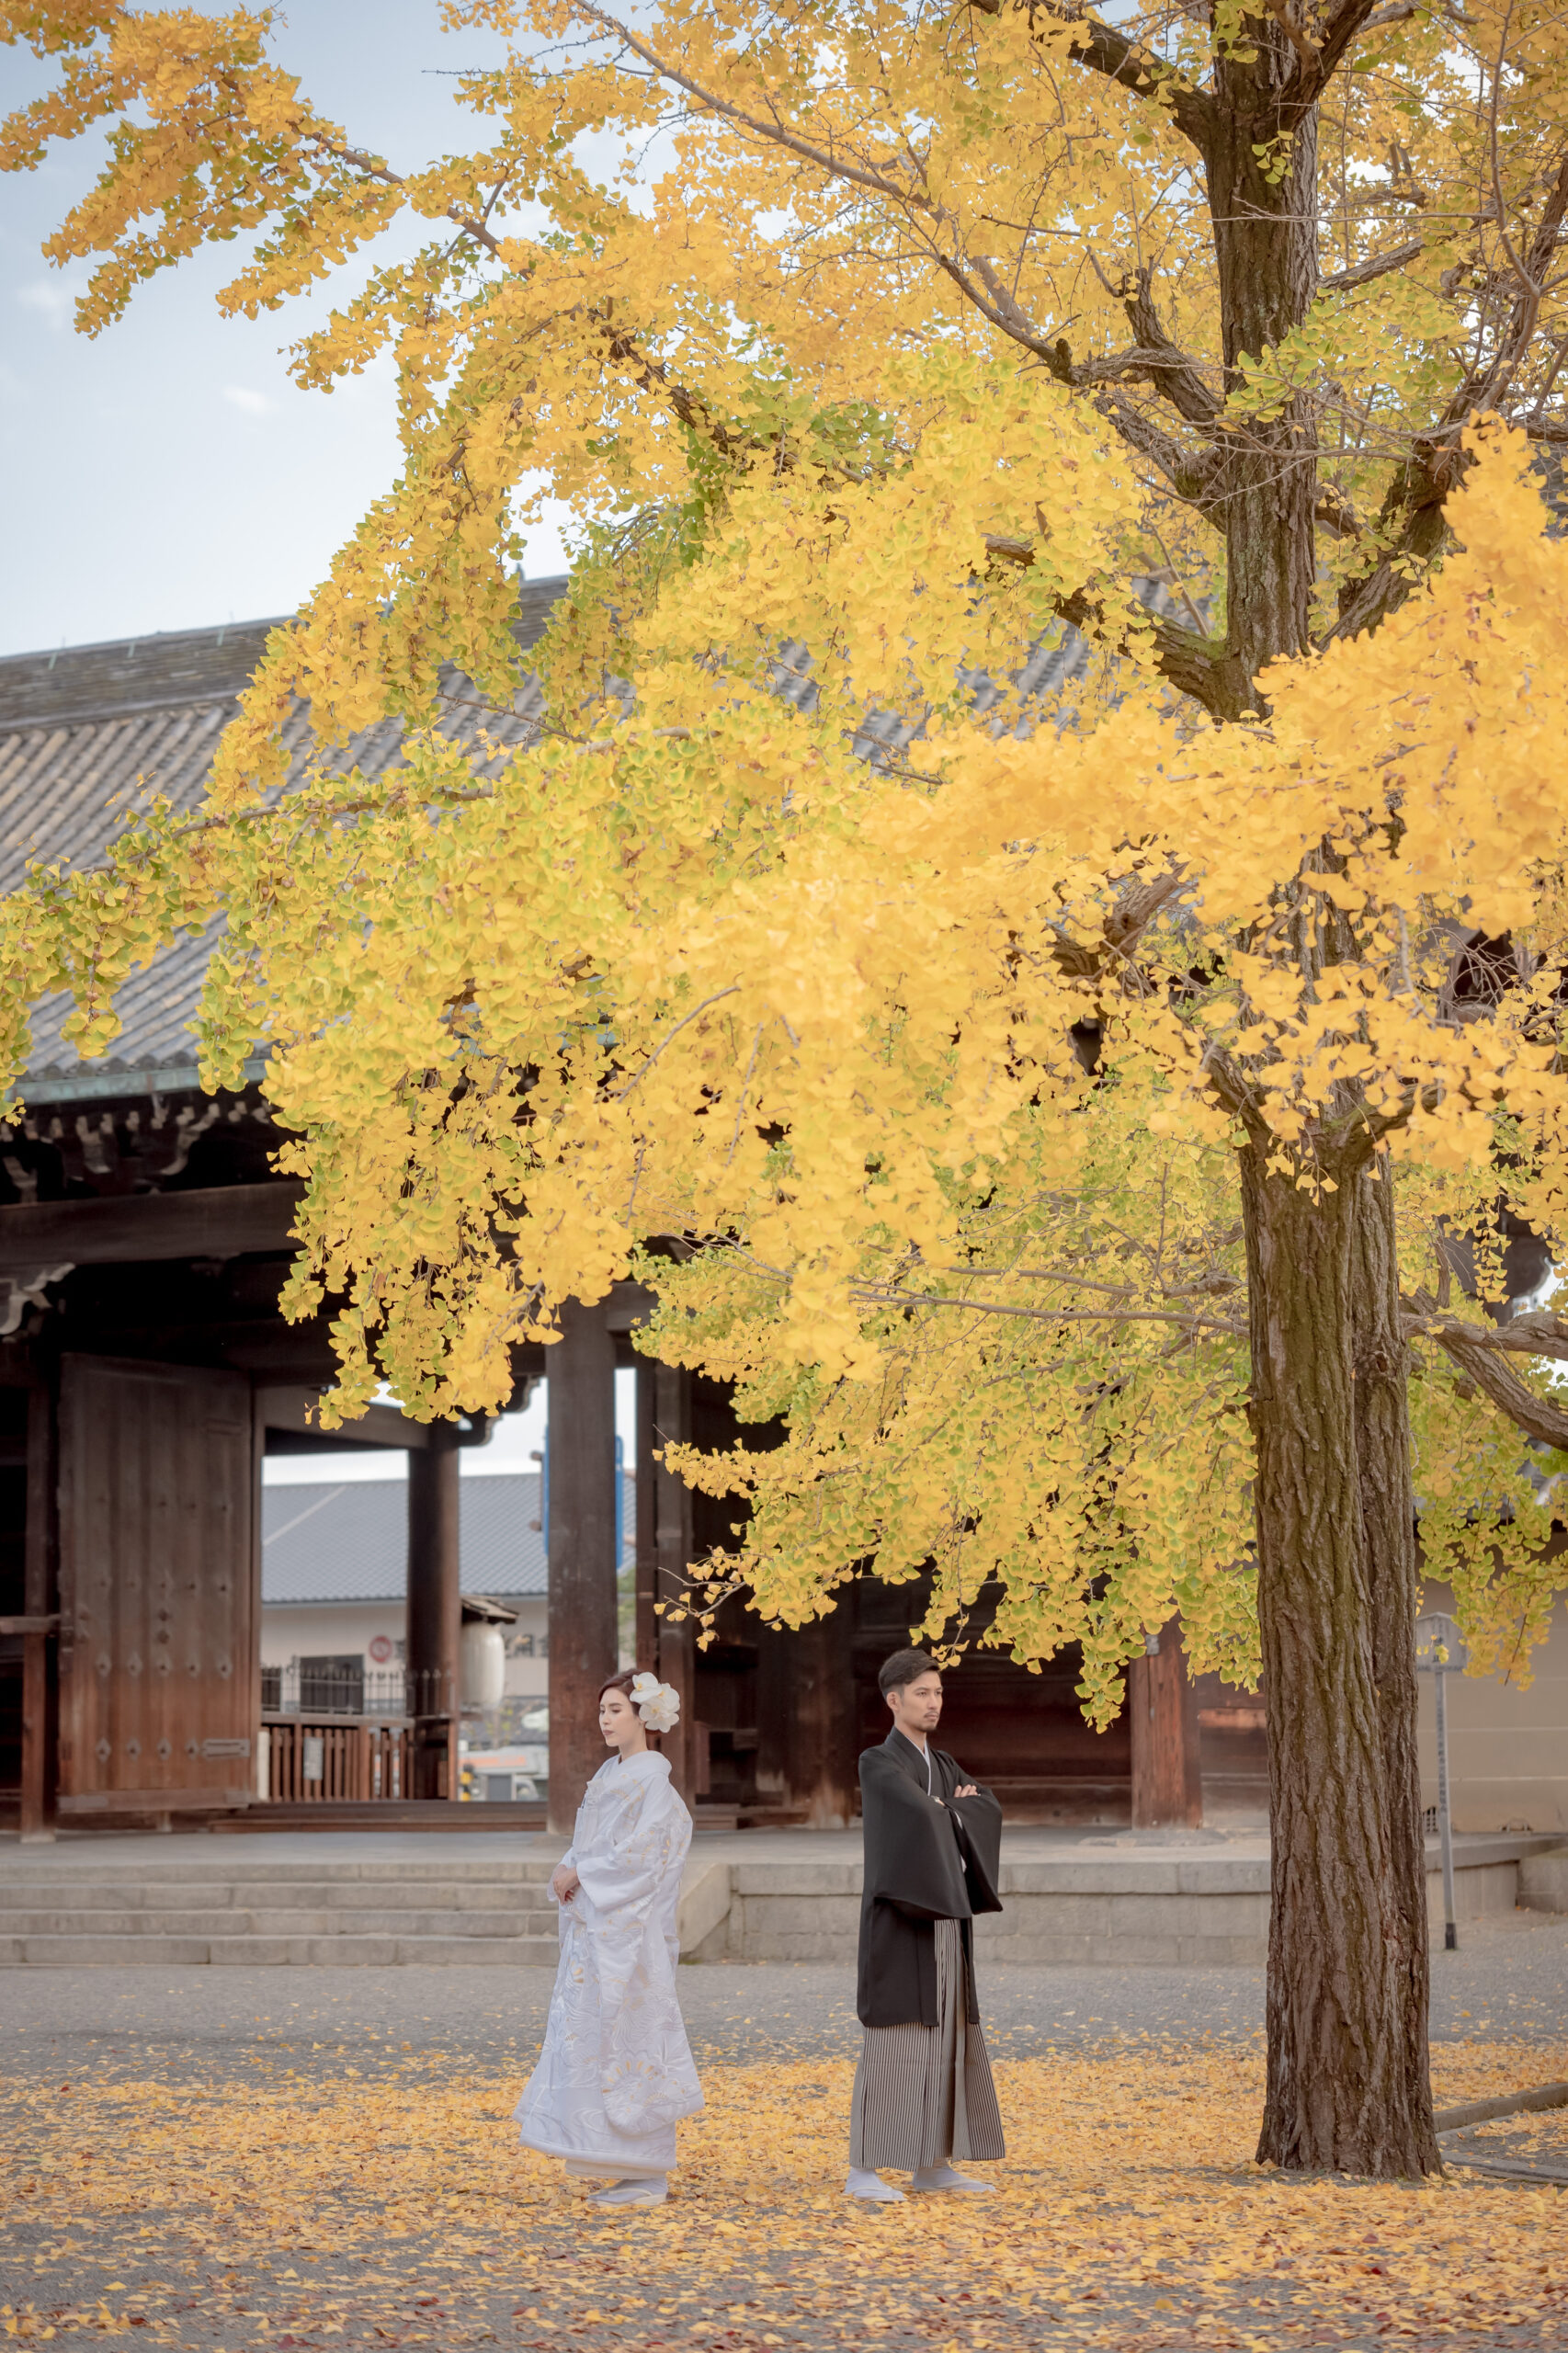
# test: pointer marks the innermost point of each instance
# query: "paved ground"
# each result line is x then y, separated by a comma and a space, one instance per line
1509, 1983
265, 2161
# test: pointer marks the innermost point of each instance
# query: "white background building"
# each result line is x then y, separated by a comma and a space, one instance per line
334, 1570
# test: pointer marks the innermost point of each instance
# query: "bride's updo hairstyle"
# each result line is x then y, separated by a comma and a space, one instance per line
623, 1683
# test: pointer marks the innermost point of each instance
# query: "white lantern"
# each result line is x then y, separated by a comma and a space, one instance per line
483, 1666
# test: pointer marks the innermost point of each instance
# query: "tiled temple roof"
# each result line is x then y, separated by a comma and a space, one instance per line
84, 730
347, 1541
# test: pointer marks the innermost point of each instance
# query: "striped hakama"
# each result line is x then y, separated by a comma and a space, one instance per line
923, 2094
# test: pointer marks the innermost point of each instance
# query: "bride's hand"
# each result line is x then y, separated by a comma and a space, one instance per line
565, 1883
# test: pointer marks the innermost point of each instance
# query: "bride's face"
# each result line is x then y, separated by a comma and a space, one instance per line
620, 1723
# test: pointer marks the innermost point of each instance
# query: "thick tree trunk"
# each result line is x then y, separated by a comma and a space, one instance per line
1348, 2074
1387, 1520
1348, 2082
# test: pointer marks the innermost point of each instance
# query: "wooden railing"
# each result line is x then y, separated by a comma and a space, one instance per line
334, 1759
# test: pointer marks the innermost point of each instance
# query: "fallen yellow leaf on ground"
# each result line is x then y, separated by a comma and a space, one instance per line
1129, 2214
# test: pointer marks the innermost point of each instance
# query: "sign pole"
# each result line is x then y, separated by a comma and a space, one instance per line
1445, 1825
1440, 1649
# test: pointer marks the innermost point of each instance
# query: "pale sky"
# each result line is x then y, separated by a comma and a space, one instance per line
168, 475
511, 1446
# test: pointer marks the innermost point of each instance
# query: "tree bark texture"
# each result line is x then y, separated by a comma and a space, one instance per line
1265, 247
1348, 2082
1389, 1529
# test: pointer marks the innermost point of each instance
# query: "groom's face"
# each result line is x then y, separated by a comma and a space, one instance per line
917, 1706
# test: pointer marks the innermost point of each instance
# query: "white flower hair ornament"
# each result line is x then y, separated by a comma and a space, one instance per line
657, 1703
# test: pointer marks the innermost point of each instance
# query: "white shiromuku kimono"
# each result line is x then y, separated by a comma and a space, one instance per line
616, 2071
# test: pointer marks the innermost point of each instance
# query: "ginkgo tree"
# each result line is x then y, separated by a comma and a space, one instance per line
1033, 919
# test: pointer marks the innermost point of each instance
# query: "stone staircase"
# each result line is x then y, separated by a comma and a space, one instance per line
381, 1901
257, 1911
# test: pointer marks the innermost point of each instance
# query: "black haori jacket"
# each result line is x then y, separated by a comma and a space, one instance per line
926, 1861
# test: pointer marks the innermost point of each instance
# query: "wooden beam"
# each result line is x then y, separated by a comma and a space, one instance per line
434, 1611
213, 1799
628, 1305
583, 1635
217, 1222
1167, 1784
291, 1409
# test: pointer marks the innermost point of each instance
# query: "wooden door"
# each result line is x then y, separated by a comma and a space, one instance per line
160, 1691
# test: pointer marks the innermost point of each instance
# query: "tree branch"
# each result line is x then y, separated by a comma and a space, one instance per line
1536, 1334
1343, 25
1364, 603
1361, 273
1195, 475
1104, 50
1194, 664
776, 133
1332, 513
358, 161
1170, 371
1128, 919
1421, 487
996, 304
893, 1297
1536, 1416
1204, 669
619, 1093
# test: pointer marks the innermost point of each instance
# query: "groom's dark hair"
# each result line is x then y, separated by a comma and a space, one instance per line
905, 1666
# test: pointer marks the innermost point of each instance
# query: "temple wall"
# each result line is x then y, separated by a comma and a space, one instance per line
1507, 1743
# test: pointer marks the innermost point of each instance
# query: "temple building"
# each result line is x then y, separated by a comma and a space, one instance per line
146, 1373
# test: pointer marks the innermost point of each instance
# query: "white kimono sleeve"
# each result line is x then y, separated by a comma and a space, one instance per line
628, 1894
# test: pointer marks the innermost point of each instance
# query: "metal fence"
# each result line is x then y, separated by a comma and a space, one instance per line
345, 1686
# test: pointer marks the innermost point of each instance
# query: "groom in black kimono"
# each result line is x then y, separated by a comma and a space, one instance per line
923, 2089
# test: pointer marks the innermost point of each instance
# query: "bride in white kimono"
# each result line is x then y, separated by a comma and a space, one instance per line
616, 2071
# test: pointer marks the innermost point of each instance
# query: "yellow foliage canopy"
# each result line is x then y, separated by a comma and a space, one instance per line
889, 978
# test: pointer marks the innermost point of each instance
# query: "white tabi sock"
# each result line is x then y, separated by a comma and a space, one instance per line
870, 2186
958, 2184
646, 2189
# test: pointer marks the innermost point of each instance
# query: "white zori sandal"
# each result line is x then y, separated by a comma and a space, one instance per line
644, 2189
871, 2189
946, 2180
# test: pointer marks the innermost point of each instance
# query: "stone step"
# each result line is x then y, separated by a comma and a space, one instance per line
261, 1952
43, 1893
70, 1866
73, 1863
272, 1920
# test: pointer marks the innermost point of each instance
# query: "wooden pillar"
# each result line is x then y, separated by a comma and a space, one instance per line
806, 1718
687, 1746
582, 1636
38, 1704
1167, 1786
434, 1611
646, 1622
